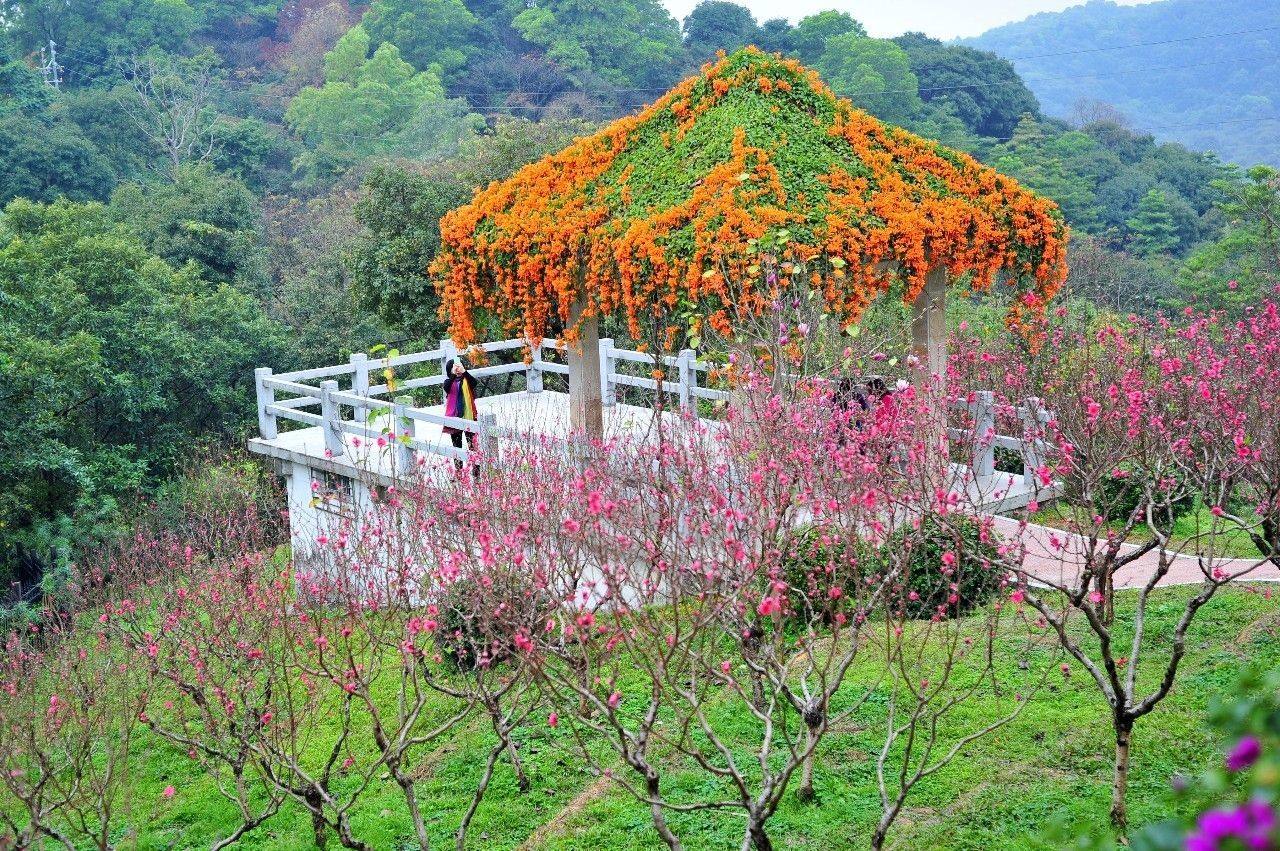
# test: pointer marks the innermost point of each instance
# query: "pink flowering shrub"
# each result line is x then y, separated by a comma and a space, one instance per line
644, 586
68, 704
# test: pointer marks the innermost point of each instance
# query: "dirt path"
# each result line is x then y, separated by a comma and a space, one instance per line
591, 794
1055, 556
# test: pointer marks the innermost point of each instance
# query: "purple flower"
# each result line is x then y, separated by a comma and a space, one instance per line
1251, 825
1244, 754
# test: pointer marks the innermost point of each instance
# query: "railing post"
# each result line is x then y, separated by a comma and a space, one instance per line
684, 363
984, 428
608, 389
1034, 417
360, 383
533, 372
693, 384
448, 351
484, 435
331, 414
267, 426
402, 433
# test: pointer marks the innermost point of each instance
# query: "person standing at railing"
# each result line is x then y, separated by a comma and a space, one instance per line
856, 399
460, 396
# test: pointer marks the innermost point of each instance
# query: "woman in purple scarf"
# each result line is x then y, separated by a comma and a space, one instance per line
459, 401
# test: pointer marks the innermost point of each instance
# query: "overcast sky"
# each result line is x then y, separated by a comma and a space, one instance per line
943, 19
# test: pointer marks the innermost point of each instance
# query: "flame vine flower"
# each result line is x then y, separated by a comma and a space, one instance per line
736, 182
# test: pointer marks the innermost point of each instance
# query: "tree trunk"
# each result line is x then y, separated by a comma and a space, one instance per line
320, 829
887, 818
659, 818
805, 793
756, 836
522, 779
460, 838
415, 812
1120, 784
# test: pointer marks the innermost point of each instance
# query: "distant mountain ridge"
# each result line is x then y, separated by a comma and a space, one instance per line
1202, 72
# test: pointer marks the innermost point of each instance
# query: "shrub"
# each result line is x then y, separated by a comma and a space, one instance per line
808, 554
975, 576
478, 624
1008, 460
1121, 494
459, 633
929, 582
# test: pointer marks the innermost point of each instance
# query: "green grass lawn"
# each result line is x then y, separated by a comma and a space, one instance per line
1228, 543
1051, 764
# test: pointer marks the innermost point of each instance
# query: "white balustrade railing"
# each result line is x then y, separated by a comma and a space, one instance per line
374, 412
370, 410
983, 439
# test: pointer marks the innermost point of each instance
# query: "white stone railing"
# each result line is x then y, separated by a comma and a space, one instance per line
317, 397
983, 439
684, 385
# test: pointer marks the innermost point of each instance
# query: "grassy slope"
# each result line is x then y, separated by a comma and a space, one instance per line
1198, 522
1051, 763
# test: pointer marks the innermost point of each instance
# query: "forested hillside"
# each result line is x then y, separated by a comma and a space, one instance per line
1202, 72
197, 187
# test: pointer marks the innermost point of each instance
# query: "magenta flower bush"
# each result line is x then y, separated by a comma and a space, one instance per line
1237, 804
1250, 826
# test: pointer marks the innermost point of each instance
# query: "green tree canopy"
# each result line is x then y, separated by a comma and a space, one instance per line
984, 90
90, 32
1152, 227
102, 114
808, 40
22, 89
202, 217
45, 158
372, 105
256, 152
873, 73
401, 210
1242, 266
629, 43
429, 33
718, 25
774, 35
114, 362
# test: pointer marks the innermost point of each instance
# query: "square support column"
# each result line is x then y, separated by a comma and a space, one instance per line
929, 326
586, 411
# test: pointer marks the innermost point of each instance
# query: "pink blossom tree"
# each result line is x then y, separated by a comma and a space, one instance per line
69, 701
1147, 418
712, 573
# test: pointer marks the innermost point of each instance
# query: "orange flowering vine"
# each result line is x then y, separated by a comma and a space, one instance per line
748, 174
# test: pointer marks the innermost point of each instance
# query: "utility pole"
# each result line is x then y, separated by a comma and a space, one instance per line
49, 67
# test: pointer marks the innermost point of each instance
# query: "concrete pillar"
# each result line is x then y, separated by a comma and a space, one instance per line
929, 326
586, 413
533, 372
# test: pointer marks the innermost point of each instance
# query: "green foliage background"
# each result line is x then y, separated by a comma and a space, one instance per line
328, 138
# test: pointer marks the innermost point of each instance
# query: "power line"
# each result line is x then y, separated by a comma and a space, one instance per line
621, 89
1141, 44
601, 105
1020, 81
494, 111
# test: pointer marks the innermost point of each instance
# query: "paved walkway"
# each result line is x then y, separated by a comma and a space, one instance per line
1056, 557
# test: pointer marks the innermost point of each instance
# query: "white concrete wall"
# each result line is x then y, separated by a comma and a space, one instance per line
309, 519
